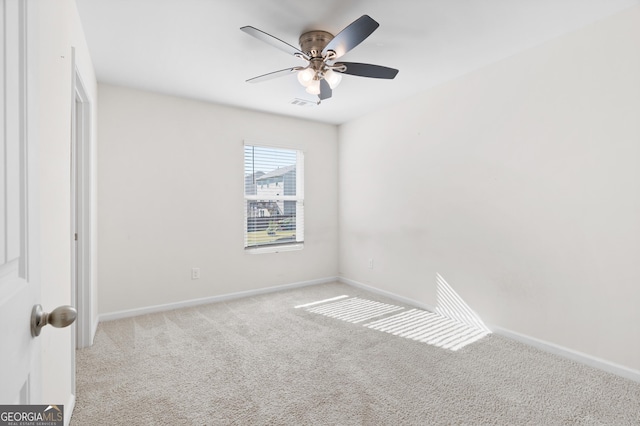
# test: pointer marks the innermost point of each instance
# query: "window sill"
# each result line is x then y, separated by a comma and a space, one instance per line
275, 249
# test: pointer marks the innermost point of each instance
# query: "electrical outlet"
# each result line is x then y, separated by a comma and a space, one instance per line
195, 273
370, 264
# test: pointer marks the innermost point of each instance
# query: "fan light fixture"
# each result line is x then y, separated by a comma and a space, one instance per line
321, 50
333, 78
306, 76
311, 79
314, 87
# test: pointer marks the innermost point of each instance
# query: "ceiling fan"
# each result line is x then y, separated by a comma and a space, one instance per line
321, 50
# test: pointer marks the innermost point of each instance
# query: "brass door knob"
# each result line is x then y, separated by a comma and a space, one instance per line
62, 316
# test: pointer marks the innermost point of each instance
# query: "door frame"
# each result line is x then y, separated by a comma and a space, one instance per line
81, 209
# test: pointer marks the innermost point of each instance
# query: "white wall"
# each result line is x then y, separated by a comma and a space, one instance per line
56, 29
519, 184
171, 198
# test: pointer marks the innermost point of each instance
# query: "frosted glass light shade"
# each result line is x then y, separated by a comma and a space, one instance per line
333, 78
305, 77
314, 87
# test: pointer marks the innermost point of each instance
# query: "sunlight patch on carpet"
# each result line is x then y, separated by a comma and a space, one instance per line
306, 305
354, 310
453, 326
431, 328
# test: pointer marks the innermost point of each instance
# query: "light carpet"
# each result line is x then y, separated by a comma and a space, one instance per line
260, 361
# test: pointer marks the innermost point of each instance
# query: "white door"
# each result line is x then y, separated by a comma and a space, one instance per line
19, 284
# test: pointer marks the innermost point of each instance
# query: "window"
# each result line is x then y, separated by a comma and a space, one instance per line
274, 214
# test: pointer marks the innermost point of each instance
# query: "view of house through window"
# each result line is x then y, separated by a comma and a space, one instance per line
273, 193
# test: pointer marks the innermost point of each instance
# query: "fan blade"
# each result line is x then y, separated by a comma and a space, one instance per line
351, 36
325, 90
273, 41
275, 74
369, 70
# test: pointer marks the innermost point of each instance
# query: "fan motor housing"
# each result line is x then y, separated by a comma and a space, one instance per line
312, 42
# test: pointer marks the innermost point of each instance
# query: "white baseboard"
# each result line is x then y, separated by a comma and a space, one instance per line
94, 329
388, 294
580, 357
205, 300
68, 410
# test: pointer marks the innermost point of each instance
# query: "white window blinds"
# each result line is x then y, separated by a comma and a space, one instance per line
274, 196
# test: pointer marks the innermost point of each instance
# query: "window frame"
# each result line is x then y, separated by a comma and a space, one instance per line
298, 198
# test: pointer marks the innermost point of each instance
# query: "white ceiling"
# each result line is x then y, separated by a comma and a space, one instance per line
195, 49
